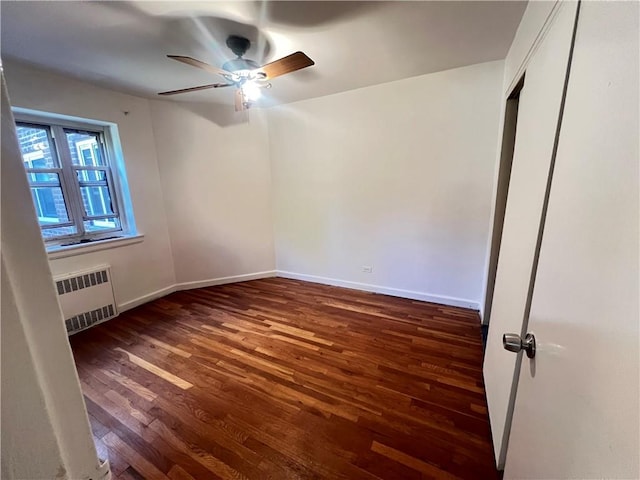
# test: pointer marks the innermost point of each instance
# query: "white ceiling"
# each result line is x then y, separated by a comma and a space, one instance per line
122, 45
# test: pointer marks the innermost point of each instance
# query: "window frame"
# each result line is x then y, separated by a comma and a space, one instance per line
70, 183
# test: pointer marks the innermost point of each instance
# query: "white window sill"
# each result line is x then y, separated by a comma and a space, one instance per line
82, 248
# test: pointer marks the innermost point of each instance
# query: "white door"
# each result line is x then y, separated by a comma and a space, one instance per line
538, 114
576, 412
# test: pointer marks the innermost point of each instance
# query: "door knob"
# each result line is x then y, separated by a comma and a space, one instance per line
514, 343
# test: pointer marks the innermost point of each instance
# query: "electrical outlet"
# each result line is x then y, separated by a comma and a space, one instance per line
367, 268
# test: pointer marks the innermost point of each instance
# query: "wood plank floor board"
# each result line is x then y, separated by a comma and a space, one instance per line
282, 379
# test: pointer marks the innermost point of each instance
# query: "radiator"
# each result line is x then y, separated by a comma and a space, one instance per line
86, 298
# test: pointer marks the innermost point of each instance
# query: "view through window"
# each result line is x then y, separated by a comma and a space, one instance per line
71, 181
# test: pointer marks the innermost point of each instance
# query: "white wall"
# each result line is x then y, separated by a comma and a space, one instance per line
396, 176
45, 429
139, 269
216, 181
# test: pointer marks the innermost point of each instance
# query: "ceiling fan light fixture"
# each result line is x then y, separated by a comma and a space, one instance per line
251, 91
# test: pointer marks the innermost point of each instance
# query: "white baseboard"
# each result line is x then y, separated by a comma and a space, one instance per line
189, 285
223, 280
395, 292
146, 298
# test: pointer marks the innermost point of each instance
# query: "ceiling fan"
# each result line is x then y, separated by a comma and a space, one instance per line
246, 75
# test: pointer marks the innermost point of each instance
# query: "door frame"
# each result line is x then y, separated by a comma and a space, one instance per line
510, 126
523, 47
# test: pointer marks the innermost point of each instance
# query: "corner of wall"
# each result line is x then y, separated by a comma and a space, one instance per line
48, 431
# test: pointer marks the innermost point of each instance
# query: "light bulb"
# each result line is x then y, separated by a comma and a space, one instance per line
251, 91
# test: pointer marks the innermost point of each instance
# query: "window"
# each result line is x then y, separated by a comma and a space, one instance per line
72, 182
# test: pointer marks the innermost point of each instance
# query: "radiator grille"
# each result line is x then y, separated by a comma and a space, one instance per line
82, 281
85, 320
86, 298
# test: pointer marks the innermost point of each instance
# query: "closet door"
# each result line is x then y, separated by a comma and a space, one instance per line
538, 116
577, 408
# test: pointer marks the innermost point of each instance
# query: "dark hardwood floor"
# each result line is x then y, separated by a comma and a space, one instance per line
280, 379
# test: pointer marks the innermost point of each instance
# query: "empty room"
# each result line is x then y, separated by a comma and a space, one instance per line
386, 240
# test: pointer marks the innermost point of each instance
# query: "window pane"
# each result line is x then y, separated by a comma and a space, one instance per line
50, 205
96, 226
96, 200
84, 148
49, 233
92, 175
44, 177
35, 147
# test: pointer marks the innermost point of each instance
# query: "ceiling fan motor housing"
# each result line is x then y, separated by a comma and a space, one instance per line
238, 45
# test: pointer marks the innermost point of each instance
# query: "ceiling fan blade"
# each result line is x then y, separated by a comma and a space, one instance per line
239, 100
288, 64
194, 89
198, 64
